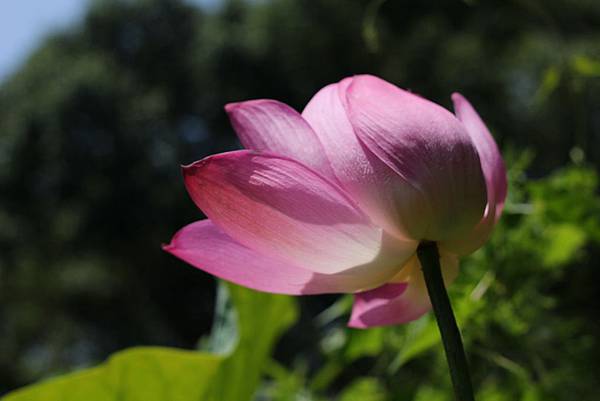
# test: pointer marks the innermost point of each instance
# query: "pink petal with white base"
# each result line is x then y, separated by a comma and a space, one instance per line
399, 302
428, 147
273, 127
205, 246
282, 209
376, 188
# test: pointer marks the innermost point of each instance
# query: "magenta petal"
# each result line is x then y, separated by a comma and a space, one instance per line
428, 147
372, 184
273, 127
384, 306
205, 246
495, 177
280, 208
489, 154
402, 302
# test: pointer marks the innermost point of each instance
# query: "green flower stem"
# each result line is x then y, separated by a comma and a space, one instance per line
455, 353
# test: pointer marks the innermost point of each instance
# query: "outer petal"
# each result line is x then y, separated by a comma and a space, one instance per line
274, 127
427, 146
372, 184
495, 177
205, 246
282, 209
489, 154
399, 302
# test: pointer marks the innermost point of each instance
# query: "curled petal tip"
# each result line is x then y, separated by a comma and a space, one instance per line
189, 169
230, 107
354, 323
457, 97
459, 102
192, 168
233, 106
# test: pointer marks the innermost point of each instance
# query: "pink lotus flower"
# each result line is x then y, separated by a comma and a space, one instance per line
337, 199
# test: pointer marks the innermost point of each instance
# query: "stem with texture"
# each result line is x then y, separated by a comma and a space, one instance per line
455, 354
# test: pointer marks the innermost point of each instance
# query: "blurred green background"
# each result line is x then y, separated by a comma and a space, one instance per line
94, 126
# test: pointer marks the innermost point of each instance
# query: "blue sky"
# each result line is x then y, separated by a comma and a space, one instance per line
24, 23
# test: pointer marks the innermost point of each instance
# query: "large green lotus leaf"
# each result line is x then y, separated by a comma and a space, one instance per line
254, 321
144, 374
261, 320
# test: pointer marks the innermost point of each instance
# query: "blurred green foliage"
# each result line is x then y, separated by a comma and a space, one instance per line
94, 126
